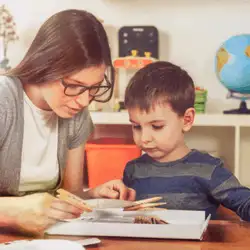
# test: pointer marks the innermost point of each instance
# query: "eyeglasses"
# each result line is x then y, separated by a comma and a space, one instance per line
94, 91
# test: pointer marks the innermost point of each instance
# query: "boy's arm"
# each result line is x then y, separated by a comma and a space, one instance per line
128, 174
227, 190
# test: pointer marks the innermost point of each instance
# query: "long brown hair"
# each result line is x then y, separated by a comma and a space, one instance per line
67, 42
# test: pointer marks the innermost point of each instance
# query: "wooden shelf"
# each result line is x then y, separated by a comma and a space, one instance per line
200, 120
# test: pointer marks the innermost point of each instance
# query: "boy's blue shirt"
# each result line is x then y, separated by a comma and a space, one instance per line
196, 182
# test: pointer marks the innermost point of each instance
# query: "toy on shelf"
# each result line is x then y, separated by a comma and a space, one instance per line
200, 99
138, 47
141, 38
232, 68
122, 66
133, 61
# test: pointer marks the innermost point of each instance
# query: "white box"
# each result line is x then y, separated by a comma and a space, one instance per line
182, 225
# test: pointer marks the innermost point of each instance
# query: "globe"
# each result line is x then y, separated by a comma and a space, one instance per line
232, 66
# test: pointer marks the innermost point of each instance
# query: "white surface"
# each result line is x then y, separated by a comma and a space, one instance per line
200, 119
89, 241
182, 225
48, 244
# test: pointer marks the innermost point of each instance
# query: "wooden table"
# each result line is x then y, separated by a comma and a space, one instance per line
220, 235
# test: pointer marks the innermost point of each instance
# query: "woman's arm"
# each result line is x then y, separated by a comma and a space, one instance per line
74, 169
35, 212
8, 211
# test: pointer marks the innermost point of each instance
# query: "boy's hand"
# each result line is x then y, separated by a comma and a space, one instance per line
114, 189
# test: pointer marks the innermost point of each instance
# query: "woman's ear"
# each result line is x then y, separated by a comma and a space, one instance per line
188, 119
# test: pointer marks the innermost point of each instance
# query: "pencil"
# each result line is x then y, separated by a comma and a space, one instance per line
140, 206
73, 200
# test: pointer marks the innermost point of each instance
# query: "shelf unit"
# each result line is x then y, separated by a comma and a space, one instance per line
227, 135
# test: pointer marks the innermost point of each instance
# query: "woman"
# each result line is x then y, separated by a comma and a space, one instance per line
45, 122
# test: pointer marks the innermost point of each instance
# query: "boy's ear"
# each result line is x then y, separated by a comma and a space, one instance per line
188, 119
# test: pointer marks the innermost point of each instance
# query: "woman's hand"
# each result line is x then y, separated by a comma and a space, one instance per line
114, 189
37, 212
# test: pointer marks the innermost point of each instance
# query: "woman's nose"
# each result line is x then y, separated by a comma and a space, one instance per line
83, 99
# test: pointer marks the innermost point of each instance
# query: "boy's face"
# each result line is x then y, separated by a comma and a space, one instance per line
160, 132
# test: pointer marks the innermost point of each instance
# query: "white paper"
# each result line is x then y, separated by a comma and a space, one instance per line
102, 207
48, 244
89, 241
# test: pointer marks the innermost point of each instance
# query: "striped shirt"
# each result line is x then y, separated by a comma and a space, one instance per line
196, 182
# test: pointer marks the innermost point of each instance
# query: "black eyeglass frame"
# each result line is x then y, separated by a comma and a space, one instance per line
109, 86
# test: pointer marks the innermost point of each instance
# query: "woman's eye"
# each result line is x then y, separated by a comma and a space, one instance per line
155, 127
75, 87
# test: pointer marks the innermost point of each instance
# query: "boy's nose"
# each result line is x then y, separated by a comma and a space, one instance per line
146, 137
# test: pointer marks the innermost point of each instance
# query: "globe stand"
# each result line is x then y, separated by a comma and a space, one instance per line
243, 105
241, 110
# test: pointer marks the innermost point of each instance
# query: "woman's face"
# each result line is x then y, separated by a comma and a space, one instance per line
68, 106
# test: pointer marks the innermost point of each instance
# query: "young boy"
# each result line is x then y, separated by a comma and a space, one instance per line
160, 103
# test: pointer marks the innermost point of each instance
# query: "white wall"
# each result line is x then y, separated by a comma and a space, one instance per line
190, 30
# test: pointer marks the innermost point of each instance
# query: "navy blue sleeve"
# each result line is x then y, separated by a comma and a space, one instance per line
227, 190
128, 174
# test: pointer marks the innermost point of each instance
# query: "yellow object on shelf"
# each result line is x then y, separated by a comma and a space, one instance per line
147, 54
134, 52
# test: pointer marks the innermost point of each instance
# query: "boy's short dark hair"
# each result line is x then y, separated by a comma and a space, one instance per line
159, 83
